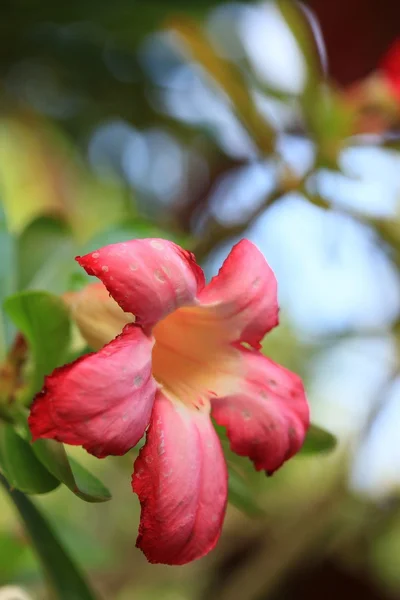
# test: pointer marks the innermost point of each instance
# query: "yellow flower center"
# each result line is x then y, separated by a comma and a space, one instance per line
192, 357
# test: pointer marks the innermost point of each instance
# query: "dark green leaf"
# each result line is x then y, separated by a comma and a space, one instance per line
241, 493
318, 440
64, 576
80, 481
44, 321
20, 465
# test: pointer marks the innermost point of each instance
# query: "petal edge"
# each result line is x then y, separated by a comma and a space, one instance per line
149, 278
245, 294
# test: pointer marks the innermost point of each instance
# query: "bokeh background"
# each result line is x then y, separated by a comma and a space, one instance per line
205, 122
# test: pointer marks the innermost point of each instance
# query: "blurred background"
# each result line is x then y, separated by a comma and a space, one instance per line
204, 122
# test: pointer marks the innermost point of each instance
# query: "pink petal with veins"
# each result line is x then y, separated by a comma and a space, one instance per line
268, 417
102, 401
181, 479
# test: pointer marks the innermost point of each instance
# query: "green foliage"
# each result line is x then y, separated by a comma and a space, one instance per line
45, 255
245, 482
80, 481
7, 280
14, 554
20, 465
44, 322
69, 68
241, 491
318, 440
64, 576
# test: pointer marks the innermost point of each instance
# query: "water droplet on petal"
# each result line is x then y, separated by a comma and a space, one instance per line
156, 244
159, 275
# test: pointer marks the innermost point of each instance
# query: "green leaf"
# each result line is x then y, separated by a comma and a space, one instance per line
20, 465
7, 280
14, 556
80, 481
318, 440
87, 486
241, 493
65, 577
44, 321
64, 468
45, 255
243, 482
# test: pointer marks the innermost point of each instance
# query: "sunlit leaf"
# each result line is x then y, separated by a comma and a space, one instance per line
64, 576
96, 206
44, 321
28, 172
20, 465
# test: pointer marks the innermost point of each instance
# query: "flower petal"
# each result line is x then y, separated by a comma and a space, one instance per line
102, 401
181, 479
267, 419
149, 278
245, 293
97, 315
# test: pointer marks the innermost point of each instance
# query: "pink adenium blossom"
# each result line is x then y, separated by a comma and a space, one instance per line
190, 351
390, 68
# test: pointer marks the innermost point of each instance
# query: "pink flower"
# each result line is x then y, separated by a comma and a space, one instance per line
191, 351
390, 68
